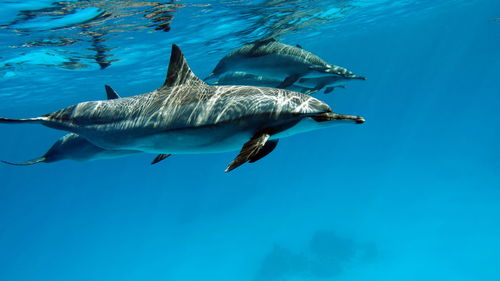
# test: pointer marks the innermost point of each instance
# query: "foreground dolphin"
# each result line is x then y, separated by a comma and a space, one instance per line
277, 61
306, 86
75, 147
187, 116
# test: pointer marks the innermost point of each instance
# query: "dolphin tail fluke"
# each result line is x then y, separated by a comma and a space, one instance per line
27, 120
30, 162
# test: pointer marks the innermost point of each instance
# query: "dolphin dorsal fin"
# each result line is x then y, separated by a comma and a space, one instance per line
110, 93
262, 42
179, 72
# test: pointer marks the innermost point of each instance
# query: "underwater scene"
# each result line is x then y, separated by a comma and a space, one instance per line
198, 140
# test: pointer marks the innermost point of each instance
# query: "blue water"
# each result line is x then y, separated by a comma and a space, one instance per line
412, 194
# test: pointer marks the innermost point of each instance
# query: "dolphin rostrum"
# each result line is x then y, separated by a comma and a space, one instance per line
284, 63
74, 147
187, 116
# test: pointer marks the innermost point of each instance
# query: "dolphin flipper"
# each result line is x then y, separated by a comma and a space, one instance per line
268, 148
160, 157
288, 81
249, 150
30, 162
329, 90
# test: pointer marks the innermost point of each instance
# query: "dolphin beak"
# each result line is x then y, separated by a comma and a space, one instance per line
359, 77
331, 116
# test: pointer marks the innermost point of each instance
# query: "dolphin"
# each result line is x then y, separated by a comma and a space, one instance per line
303, 85
188, 116
277, 61
74, 147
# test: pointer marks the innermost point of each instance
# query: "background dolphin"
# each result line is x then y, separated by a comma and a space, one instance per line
187, 116
303, 85
74, 147
280, 62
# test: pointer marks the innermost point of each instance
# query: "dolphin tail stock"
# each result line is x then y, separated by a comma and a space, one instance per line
29, 162
26, 120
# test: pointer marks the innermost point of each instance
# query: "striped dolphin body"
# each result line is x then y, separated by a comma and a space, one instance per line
187, 116
283, 63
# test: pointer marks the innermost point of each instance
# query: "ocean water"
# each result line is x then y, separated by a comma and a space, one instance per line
412, 194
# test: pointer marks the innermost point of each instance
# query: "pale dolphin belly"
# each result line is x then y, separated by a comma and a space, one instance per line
203, 139
191, 141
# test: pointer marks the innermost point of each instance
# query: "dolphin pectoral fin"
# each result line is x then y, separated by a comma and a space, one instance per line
30, 162
329, 90
249, 150
288, 81
268, 148
110, 93
298, 46
159, 158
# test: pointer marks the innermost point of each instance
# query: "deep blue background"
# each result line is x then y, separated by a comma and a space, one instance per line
412, 194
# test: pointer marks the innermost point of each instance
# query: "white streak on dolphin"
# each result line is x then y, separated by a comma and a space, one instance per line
187, 116
277, 61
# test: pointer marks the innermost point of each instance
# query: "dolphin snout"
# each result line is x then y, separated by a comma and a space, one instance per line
331, 116
358, 77
356, 119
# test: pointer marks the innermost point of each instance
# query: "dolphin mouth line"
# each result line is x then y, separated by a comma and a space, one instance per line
330, 116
